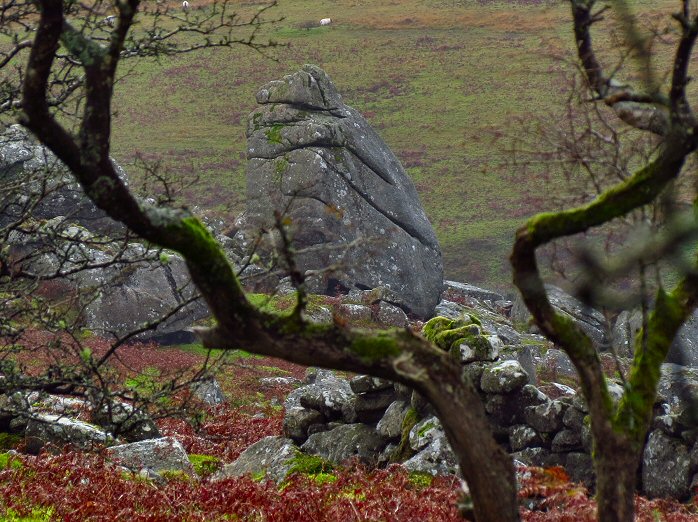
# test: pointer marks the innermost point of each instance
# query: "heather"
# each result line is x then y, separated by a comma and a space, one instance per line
76, 486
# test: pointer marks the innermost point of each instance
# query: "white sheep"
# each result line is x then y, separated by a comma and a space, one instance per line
185, 5
110, 20
326, 21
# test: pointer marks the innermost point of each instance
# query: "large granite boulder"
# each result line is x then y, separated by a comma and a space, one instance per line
347, 200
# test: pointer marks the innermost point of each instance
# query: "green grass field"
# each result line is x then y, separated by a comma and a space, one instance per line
444, 82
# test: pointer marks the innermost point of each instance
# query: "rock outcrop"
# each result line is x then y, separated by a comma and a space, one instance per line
131, 284
47, 187
353, 213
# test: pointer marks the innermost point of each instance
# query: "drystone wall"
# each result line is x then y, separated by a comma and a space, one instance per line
521, 378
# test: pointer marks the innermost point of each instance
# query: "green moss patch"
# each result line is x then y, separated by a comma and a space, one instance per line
9, 461
204, 465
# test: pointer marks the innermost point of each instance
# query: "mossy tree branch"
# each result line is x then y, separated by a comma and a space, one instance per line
399, 355
618, 429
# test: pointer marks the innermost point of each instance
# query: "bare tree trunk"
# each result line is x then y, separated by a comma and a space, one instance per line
616, 471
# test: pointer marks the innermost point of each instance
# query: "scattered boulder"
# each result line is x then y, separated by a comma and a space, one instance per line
46, 429
390, 425
158, 455
665, 467
271, 457
208, 391
329, 395
125, 421
344, 442
461, 292
546, 417
625, 329
436, 458
523, 436
297, 421
391, 315
349, 201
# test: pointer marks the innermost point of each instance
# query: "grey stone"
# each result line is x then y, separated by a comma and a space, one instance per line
421, 405
208, 391
14, 406
573, 418
522, 436
297, 420
624, 331
346, 441
546, 417
318, 315
328, 394
58, 404
125, 421
580, 468
507, 334
47, 182
355, 313
272, 456
349, 201
390, 425
370, 406
140, 293
684, 349
424, 432
279, 381
669, 424
391, 315
57, 430
366, 383
665, 467
504, 409
480, 348
524, 354
456, 291
558, 363
566, 441
436, 458
503, 377
538, 457
449, 309
591, 321
678, 388
473, 371
163, 454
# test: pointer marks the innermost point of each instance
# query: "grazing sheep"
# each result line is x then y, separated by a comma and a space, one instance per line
326, 21
185, 5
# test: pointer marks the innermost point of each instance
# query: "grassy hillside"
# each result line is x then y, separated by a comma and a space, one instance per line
443, 81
